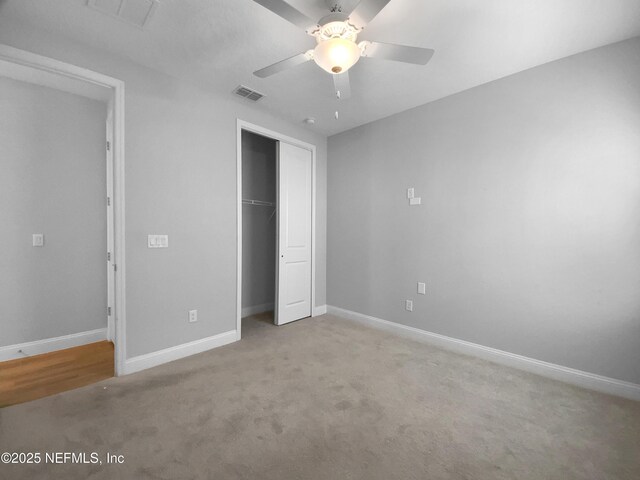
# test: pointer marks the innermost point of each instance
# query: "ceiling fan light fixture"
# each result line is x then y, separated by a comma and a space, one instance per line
336, 55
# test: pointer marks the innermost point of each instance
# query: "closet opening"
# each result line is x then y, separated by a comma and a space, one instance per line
276, 227
259, 217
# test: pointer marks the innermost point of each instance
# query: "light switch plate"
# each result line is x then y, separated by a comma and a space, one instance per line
38, 239
415, 201
158, 241
422, 288
408, 305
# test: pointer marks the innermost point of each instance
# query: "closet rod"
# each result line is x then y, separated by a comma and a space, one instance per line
259, 203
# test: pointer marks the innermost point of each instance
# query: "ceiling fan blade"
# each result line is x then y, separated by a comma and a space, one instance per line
286, 11
399, 53
366, 11
342, 85
284, 64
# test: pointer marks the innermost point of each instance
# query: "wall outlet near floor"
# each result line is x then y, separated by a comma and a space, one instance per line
422, 288
193, 316
408, 305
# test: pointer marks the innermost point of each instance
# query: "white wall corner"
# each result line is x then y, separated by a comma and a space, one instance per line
22, 350
321, 310
568, 375
153, 359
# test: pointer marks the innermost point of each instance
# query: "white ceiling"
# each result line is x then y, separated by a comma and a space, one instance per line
220, 43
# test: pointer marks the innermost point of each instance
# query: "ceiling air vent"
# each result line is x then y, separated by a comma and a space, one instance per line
247, 93
133, 12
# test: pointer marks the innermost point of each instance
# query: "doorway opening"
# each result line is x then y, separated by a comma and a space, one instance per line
276, 228
89, 251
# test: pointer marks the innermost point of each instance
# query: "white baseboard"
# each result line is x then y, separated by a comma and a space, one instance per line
142, 362
321, 310
265, 307
550, 370
22, 350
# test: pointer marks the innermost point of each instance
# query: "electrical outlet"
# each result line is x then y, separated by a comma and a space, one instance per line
193, 316
415, 201
410, 192
422, 288
408, 305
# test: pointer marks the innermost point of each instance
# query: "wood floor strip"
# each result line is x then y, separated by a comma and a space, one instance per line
30, 378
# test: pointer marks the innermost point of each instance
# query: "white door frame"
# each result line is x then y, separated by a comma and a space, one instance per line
111, 329
250, 127
116, 104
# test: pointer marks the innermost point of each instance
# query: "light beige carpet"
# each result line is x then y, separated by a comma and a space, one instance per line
327, 399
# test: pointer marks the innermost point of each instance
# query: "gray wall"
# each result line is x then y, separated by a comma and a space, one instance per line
528, 236
258, 223
52, 181
181, 181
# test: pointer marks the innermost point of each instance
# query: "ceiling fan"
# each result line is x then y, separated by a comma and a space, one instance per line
336, 33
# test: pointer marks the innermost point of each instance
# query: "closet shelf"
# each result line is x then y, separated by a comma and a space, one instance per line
258, 203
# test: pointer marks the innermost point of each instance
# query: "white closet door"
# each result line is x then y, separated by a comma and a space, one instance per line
294, 233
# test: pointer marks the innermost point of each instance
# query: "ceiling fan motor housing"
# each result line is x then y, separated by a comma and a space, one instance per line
335, 24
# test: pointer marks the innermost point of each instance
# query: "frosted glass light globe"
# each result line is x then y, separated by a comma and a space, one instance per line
336, 55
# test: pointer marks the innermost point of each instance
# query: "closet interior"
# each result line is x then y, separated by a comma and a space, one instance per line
259, 222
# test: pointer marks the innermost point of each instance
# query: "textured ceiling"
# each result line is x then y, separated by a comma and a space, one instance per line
220, 43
